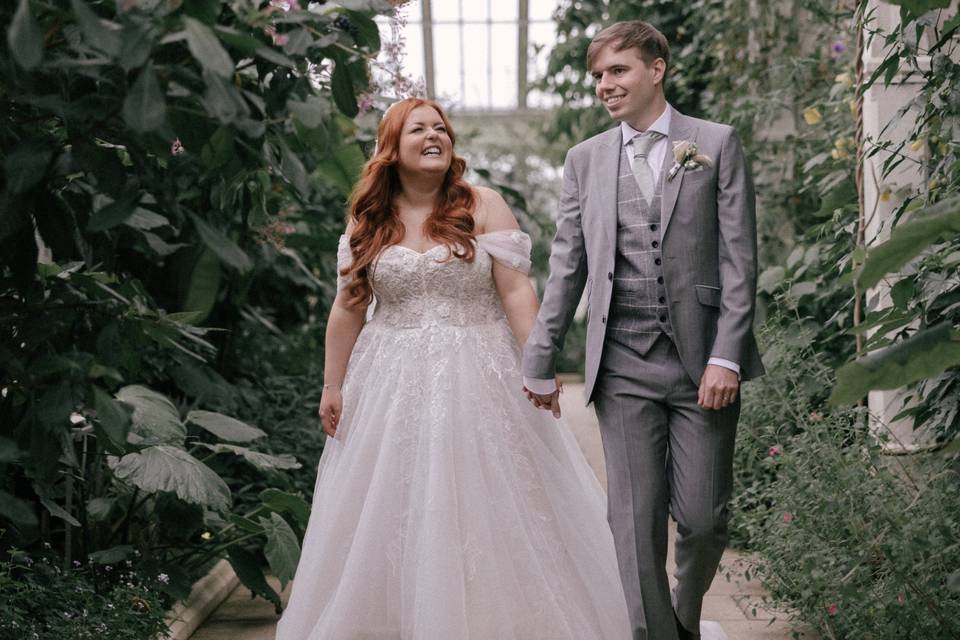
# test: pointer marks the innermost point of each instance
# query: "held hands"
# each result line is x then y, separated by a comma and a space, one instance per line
331, 408
550, 402
718, 387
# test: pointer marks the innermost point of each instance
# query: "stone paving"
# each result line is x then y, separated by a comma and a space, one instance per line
730, 610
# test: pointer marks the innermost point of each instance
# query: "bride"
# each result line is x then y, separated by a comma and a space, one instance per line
446, 505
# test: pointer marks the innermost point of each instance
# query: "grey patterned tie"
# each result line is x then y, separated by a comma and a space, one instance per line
642, 143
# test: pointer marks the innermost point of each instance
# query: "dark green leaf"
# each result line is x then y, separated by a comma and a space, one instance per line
274, 56
113, 555
168, 468
282, 549
17, 511
9, 452
115, 213
262, 461
224, 427
26, 165
248, 570
288, 503
223, 100
144, 108
907, 240
923, 355
342, 86
341, 166
97, 35
25, 38
146, 219
203, 284
154, 419
294, 170
59, 512
206, 48
225, 248
113, 418
98, 509
366, 33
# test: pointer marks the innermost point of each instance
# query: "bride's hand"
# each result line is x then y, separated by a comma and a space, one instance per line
331, 409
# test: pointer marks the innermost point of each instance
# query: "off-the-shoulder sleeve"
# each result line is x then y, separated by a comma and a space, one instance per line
509, 248
344, 260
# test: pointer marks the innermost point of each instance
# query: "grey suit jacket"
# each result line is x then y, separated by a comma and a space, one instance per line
708, 245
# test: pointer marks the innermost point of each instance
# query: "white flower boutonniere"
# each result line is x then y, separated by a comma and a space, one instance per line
685, 155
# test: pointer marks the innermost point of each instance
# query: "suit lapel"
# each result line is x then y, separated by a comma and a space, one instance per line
681, 128
605, 184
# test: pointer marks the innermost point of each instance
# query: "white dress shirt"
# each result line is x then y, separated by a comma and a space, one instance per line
655, 160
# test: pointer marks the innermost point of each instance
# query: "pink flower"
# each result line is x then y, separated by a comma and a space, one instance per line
832, 608
280, 39
815, 416
176, 148
775, 451
901, 599
787, 517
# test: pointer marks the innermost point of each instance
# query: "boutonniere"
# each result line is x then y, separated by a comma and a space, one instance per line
685, 155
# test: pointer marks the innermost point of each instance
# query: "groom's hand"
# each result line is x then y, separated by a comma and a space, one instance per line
718, 387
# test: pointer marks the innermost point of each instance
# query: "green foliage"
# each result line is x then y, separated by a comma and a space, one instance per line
173, 187
44, 602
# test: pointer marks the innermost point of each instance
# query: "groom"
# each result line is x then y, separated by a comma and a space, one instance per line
657, 220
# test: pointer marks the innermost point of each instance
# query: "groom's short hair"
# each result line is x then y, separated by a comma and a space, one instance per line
631, 34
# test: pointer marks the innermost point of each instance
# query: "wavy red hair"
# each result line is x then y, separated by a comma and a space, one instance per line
376, 224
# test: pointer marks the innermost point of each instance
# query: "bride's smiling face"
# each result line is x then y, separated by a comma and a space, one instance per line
425, 144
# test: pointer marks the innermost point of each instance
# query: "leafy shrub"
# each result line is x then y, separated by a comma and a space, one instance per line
41, 601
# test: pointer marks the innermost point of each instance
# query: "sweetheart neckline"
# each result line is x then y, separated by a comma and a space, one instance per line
419, 253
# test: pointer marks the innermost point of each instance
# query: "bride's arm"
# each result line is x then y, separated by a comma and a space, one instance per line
516, 293
343, 326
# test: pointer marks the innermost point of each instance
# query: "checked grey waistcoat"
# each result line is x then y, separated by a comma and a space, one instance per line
638, 308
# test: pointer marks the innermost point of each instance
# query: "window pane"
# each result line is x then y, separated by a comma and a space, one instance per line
443, 10
446, 61
476, 77
504, 66
542, 9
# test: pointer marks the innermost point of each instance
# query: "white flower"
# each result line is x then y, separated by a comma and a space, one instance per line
163, 578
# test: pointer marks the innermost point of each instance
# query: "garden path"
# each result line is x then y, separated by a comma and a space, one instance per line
730, 610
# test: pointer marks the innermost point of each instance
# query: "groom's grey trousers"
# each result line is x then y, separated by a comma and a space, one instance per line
662, 450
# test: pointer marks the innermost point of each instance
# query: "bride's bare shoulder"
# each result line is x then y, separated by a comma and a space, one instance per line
491, 212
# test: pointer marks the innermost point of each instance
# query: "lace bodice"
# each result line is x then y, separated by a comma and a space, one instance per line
414, 289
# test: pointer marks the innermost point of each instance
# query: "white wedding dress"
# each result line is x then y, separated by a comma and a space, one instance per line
448, 507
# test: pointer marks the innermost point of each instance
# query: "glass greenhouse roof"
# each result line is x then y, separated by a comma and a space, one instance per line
467, 53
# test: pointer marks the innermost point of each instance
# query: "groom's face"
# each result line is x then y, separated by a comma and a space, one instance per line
626, 86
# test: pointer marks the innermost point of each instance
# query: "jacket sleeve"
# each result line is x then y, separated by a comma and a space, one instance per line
736, 212
568, 274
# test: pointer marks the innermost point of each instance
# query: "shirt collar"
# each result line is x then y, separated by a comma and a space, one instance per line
660, 125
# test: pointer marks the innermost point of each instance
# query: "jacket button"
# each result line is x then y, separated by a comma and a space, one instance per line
661, 300
655, 244
653, 227
663, 318
610, 276
603, 319
660, 280
657, 261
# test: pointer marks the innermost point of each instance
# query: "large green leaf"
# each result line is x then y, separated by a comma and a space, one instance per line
168, 468
224, 427
920, 7
908, 240
923, 355
341, 166
26, 165
144, 108
9, 451
111, 416
282, 548
248, 570
19, 512
207, 50
365, 33
262, 461
294, 505
95, 32
155, 420
25, 38
341, 83
114, 213
225, 248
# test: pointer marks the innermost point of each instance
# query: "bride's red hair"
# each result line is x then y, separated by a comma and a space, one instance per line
374, 216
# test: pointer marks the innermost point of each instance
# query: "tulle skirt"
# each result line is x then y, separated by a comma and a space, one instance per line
449, 508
